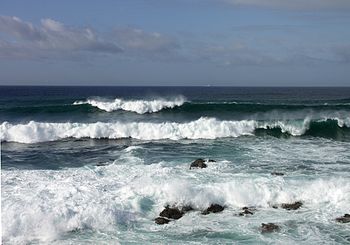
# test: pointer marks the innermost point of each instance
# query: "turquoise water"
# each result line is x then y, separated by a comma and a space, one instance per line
98, 176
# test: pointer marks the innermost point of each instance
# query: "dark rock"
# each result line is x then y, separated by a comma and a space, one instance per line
186, 209
214, 208
161, 221
274, 206
101, 164
171, 213
269, 227
246, 211
277, 173
344, 219
249, 208
199, 163
211, 160
292, 206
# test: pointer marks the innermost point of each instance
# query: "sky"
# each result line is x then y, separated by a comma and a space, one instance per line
175, 42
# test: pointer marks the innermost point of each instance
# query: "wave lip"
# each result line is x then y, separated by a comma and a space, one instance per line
138, 106
203, 128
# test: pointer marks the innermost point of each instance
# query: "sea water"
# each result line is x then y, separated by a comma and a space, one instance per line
96, 165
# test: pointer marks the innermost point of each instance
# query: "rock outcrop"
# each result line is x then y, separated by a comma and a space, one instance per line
198, 163
292, 206
344, 219
213, 208
269, 227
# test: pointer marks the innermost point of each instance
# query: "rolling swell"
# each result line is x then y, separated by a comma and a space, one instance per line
250, 107
177, 106
203, 128
49, 109
329, 128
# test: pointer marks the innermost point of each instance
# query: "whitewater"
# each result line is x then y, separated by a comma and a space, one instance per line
138, 106
97, 165
203, 128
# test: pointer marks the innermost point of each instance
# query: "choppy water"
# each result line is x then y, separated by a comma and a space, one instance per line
97, 165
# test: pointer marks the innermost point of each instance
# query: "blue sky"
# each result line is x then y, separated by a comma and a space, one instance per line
179, 42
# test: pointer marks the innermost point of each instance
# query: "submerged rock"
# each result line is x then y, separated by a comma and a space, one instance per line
246, 211
101, 164
213, 208
199, 163
344, 219
211, 160
161, 221
277, 173
269, 227
171, 213
292, 206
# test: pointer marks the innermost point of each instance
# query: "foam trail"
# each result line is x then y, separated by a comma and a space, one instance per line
138, 106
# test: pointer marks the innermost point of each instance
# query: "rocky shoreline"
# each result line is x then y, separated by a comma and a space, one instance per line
172, 213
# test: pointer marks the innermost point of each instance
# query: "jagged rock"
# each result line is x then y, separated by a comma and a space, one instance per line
171, 213
269, 227
344, 219
186, 209
246, 211
161, 221
277, 173
292, 206
213, 208
199, 163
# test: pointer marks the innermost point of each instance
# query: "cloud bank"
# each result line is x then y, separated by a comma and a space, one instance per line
21, 39
53, 40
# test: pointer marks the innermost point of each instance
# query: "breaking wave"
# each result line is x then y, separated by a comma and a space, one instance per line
138, 106
203, 128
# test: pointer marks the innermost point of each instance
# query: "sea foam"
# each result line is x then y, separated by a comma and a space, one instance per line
48, 205
138, 106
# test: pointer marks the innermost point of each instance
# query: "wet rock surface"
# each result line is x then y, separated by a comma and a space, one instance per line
277, 174
247, 211
269, 227
186, 209
292, 206
344, 219
101, 164
198, 163
161, 221
171, 213
213, 208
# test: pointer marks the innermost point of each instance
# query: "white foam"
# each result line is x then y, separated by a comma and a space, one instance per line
203, 128
138, 106
44, 205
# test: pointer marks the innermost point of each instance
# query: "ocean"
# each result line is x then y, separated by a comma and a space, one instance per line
96, 165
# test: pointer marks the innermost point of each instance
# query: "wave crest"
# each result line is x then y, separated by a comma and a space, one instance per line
203, 128
138, 106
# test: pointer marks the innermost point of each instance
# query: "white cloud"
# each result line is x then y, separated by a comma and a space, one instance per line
52, 25
17, 28
51, 38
